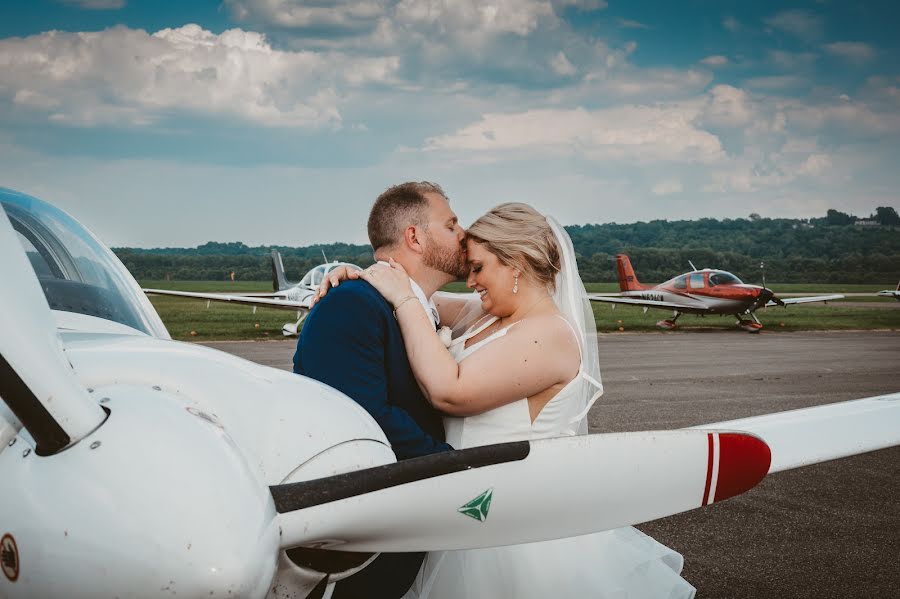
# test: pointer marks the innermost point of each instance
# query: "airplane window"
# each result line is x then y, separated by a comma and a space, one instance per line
681, 282
317, 275
697, 280
76, 272
40, 265
723, 278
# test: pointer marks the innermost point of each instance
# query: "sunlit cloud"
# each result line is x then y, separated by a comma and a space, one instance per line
731, 24
856, 52
715, 61
95, 4
128, 76
667, 187
800, 23
646, 134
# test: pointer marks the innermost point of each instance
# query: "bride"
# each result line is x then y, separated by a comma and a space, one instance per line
525, 367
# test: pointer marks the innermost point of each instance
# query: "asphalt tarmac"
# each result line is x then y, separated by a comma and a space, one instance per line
829, 530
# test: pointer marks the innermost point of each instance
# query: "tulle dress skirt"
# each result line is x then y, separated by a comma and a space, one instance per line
618, 564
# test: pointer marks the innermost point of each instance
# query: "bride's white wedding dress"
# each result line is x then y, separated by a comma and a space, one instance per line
622, 564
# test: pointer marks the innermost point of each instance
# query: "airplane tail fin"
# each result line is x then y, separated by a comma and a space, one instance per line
279, 281
628, 281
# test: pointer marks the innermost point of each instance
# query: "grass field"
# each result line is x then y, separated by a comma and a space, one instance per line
192, 320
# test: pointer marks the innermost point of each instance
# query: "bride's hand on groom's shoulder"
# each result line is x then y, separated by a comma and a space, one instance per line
333, 279
390, 279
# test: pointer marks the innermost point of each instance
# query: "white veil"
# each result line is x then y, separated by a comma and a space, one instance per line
571, 299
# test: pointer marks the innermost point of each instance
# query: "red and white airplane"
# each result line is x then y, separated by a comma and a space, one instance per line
706, 291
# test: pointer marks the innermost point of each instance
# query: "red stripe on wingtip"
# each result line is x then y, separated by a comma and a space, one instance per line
743, 461
709, 467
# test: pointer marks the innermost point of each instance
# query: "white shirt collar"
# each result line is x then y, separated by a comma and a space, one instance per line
427, 303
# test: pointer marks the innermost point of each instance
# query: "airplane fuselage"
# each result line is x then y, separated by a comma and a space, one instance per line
724, 299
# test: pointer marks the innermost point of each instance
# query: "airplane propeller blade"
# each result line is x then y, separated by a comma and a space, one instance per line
766, 296
513, 492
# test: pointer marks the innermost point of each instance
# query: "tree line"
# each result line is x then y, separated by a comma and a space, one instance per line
832, 249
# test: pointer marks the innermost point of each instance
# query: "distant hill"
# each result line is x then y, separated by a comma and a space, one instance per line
839, 248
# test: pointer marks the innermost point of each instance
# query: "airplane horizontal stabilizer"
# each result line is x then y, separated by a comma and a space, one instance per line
822, 433
519, 492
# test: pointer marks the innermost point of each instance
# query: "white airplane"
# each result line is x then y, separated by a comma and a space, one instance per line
134, 465
285, 295
894, 293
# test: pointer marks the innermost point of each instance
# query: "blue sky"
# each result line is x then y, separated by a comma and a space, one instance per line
169, 123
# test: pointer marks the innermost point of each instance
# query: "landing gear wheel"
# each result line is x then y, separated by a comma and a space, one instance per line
750, 326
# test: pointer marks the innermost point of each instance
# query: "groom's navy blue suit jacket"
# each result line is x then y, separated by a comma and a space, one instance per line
352, 342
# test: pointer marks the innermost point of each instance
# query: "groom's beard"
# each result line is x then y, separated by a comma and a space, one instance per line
452, 262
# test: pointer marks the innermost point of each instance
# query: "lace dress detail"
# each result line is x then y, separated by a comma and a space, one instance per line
618, 564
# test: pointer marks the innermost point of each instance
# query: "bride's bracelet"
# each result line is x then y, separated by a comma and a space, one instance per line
401, 302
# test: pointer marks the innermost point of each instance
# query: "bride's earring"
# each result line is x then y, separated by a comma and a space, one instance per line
516, 284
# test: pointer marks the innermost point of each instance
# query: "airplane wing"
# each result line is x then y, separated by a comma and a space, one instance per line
635, 301
481, 496
488, 496
806, 300
248, 300
821, 433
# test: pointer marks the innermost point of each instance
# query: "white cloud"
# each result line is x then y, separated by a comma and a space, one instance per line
519, 17
583, 5
814, 164
800, 23
562, 66
627, 82
629, 24
299, 14
792, 60
774, 171
776, 82
122, 75
667, 187
636, 133
731, 24
95, 4
715, 61
728, 106
856, 52
851, 119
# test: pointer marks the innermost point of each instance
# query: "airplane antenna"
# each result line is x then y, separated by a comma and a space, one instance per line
692, 265
762, 267
324, 257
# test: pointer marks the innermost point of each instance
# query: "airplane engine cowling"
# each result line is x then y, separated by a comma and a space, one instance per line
312, 561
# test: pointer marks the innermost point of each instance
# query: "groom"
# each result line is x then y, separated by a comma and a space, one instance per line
352, 342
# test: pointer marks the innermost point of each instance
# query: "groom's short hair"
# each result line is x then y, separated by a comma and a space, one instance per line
397, 208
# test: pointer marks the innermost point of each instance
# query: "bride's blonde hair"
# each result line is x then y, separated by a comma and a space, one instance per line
521, 238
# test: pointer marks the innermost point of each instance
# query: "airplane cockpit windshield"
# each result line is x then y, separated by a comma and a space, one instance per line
77, 273
314, 277
721, 277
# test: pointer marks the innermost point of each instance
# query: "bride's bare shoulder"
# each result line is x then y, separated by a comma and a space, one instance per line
549, 328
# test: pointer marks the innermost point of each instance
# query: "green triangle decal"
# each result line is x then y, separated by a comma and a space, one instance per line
479, 507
